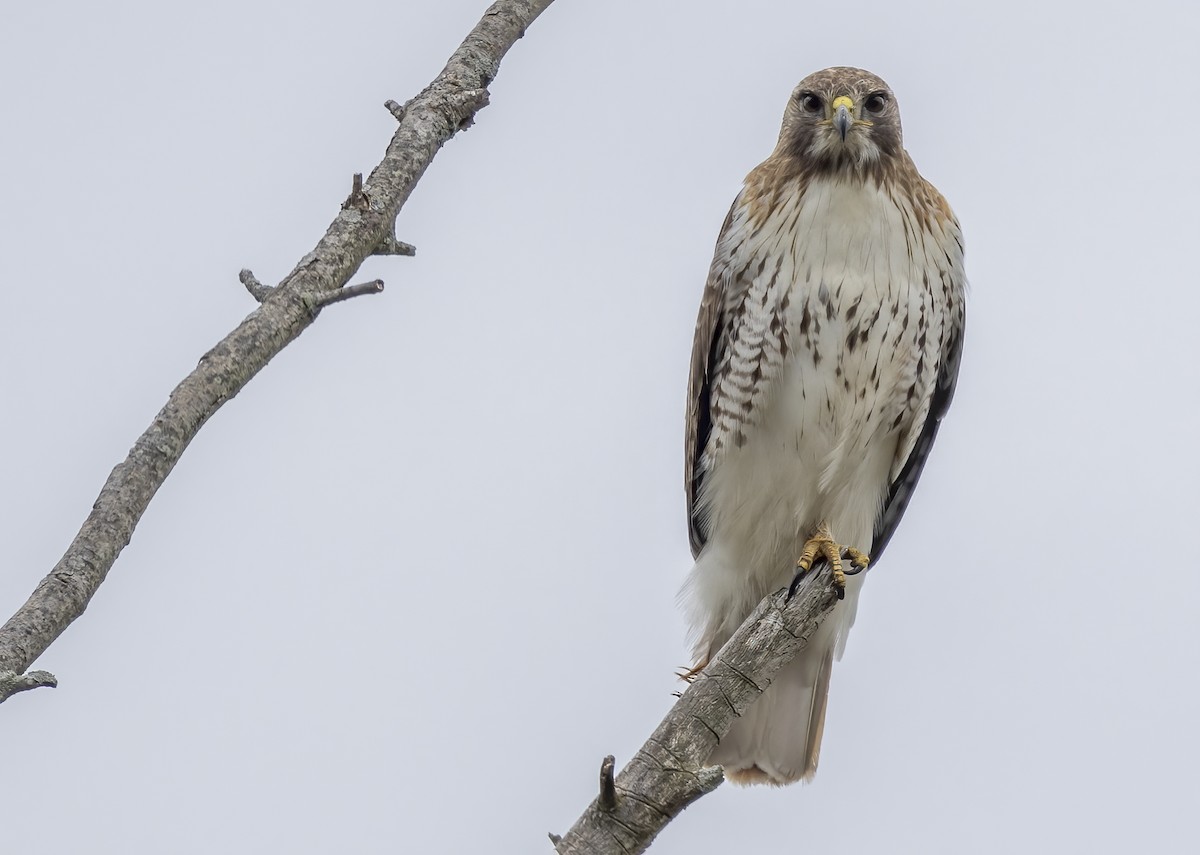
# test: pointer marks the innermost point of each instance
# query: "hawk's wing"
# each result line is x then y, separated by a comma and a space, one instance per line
708, 349
916, 444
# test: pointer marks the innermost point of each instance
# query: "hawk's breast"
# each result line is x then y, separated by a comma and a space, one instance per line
830, 349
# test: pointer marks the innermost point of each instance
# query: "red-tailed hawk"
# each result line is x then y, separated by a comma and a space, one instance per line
825, 357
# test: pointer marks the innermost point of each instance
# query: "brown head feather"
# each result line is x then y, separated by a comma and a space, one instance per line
809, 146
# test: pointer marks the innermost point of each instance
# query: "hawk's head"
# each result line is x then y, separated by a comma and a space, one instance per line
841, 119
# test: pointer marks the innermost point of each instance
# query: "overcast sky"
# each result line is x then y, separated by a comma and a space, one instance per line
406, 590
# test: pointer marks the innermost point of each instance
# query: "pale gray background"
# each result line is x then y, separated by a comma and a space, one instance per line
407, 590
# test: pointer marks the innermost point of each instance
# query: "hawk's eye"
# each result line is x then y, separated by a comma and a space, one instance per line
811, 103
875, 102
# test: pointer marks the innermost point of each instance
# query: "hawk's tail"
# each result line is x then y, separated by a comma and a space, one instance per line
778, 740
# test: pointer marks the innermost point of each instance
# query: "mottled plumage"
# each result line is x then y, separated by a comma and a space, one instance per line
825, 356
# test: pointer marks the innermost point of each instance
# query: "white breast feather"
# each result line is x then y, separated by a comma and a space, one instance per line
813, 450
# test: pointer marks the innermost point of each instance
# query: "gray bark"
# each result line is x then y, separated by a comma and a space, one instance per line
11, 682
668, 773
363, 227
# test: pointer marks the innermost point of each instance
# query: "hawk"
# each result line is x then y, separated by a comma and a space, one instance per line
825, 357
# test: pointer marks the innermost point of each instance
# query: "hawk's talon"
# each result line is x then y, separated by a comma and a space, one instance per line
822, 547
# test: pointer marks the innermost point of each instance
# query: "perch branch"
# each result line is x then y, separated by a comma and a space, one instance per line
668, 773
427, 122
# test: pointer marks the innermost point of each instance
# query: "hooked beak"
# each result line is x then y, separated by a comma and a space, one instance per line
842, 118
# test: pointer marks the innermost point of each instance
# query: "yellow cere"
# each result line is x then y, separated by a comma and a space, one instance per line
843, 101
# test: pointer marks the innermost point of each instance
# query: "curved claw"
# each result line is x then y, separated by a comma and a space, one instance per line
858, 560
796, 580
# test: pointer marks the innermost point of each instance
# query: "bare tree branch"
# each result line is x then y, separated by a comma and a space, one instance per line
668, 773
390, 246
375, 286
397, 110
12, 682
607, 800
257, 290
363, 225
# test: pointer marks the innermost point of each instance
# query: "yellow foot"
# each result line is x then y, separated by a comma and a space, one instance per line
822, 545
